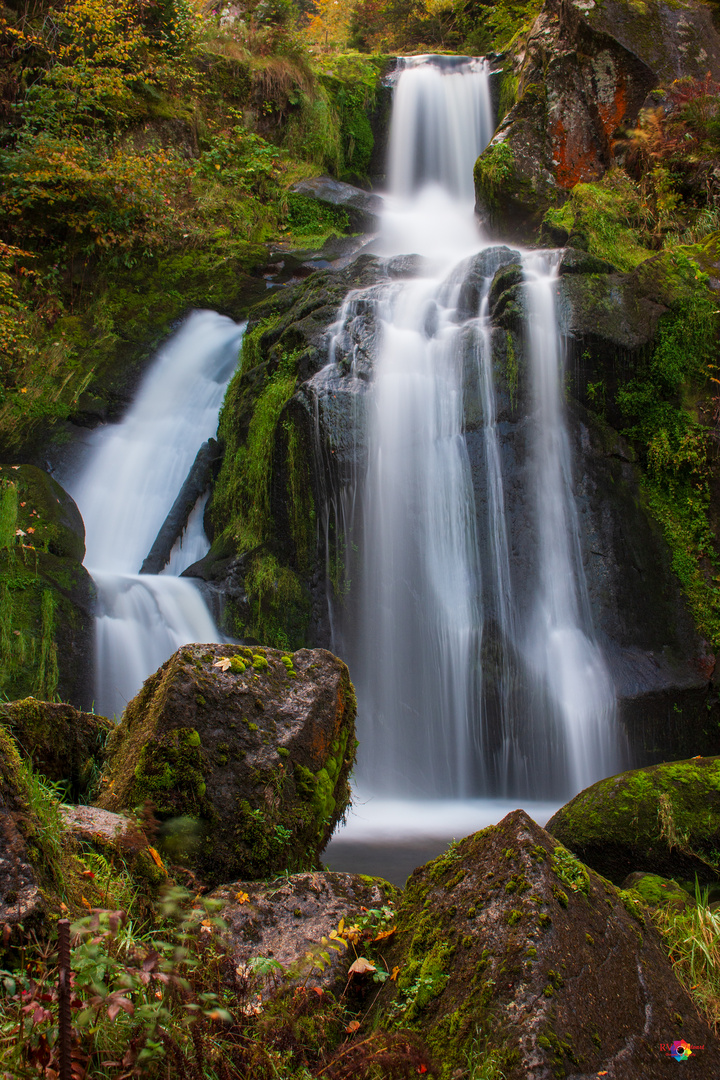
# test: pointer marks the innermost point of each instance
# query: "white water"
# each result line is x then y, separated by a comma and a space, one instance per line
560, 646
134, 473
413, 642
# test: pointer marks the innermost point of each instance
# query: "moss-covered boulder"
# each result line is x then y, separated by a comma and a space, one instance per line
291, 923
60, 742
21, 901
662, 820
516, 959
658, 892
46, 595
244, 755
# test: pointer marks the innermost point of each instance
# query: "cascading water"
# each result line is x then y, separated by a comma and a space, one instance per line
434, 572
560, 646
135, 471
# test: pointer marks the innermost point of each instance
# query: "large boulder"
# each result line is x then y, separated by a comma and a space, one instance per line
47, 595
243, 753
513, 955
664, 820
285, 922
582, 73
61, 742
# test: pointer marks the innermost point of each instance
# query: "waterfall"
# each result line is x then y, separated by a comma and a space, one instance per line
560, 644
135, 470
427, 544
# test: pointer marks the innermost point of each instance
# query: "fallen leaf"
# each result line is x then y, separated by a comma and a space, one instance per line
361, 967
87, 904
22, 504
155, 856
385, 934
395, 973
87, 873
352, 1027
30, 529
223, 663
19, 532
23, 389
242, 897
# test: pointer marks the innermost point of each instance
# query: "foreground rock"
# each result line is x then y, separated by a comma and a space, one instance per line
662, 820
61, 742
285, 921
508, 944
246, 762
21, 901
48, 596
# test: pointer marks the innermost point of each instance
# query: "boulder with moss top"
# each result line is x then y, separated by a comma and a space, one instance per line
244, 755
663, 820
46, 595
61, 742
514, 955
289, 922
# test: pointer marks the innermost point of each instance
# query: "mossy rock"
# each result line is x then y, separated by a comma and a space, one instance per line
662, 820
62, 743
244, 755
46, 596
658, 892
512, 954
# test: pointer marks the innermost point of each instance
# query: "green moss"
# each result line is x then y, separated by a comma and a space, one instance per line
242, 492
604, 218
300, 502
511, 368
494, 170
570, 870
169, 773
279, 604
514, 917
8, 513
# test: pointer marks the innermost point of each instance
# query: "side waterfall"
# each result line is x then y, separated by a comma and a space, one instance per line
135, 471
433, 573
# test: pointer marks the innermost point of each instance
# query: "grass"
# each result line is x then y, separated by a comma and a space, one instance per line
692, 939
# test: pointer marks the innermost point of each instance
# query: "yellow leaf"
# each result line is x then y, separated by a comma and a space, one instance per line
395, 973
385, 934
87, 904
242, 897
352, 1027
223, 664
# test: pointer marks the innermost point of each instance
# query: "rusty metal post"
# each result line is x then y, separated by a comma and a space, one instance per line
64, 1014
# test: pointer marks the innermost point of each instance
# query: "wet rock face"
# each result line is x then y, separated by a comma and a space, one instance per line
61, 742
661, 820
583, 73
243, 753
48, 595
286, 920
509, 943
